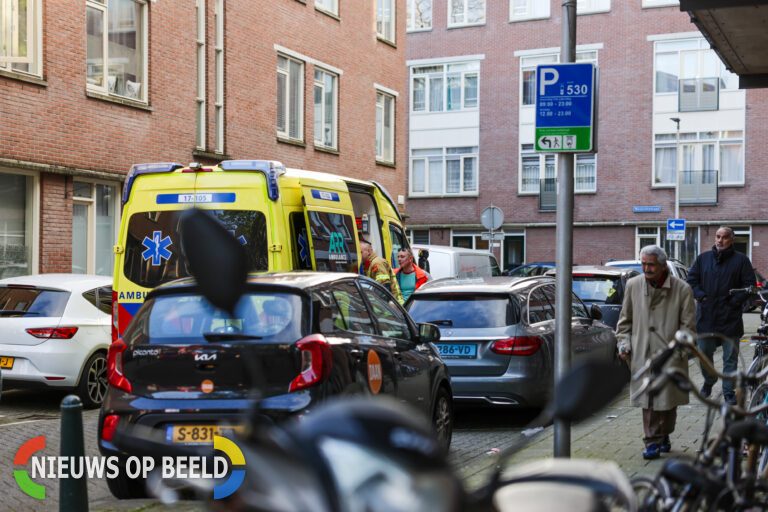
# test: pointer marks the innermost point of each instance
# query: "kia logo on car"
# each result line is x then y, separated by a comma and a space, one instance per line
205, 357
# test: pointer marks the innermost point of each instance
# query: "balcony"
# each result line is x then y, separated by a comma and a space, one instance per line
698, 187
547, 194
696, 94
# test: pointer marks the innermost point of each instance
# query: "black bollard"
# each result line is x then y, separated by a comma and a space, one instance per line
73, 492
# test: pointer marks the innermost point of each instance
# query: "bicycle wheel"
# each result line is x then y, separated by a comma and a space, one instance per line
758, 365
760, 397
650, 495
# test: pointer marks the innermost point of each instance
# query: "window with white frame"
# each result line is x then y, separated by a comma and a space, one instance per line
385, 19
17, 240
535, 167
385, 127
418, 237
444, 171
94, 224
290, 98
528, 10
700, 151
418, 15
686, 59
659, 3
200, 96
331, 6
528, 71
442, 88
325, 108
116, 48
21, 36
590, 6
466, 12
219, 84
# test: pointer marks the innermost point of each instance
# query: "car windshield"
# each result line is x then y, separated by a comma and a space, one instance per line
593, 288
29, 301
191, 319
464, 311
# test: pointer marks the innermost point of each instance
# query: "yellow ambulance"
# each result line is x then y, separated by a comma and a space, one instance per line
287, 219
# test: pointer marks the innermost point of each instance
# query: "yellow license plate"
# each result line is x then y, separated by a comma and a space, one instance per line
6, 362
198, 434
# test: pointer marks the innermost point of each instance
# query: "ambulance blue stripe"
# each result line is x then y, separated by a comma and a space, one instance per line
325, 195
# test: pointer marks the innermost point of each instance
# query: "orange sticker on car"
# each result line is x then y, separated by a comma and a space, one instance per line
206, 386
374, 372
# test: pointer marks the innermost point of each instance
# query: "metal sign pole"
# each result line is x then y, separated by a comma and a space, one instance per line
564, 250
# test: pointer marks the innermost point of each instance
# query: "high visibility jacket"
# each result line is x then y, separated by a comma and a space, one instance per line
378, 269
421, 276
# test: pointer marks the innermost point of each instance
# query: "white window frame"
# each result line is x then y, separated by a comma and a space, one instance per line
412, 237
383, 145
385, 29
90, 202
465, 23
697, 140
650, 4
528, 151
411, 15
444, 155
330, 6
334, 108
728, 80
219, 119
287, 99
529, 62
34, 30
144, 37
638, 236
31, 216
443, 74
531, 10
592, 6
201, 73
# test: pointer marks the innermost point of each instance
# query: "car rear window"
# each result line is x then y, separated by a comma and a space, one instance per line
191, 319
597, 288
30, 301
464, 311
153, 247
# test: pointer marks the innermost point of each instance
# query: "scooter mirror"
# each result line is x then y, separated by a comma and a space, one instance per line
586, 389
216, 260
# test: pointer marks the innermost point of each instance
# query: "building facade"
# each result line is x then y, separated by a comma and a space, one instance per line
669, 112
90, 87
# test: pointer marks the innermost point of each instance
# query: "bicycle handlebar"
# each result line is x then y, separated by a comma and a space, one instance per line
752, 290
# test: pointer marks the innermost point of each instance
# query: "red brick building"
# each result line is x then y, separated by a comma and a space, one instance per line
471, 131
90, 87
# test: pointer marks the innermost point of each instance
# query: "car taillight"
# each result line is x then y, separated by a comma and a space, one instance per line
109, 426
115, 306
517, 346
115, 375
54, 333
316, 362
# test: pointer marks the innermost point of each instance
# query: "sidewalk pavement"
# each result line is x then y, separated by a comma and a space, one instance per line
616, 432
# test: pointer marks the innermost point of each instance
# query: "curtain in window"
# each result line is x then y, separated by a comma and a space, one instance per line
418, 176
436, 175
666, 165
294, 108
470, 174
453, 92
731, 163
453, 176
419, 94
529, 87
79, 238
475, 11
470, 91
436, 94
457, 12
281, 86
530, 174
585, 173
105, 229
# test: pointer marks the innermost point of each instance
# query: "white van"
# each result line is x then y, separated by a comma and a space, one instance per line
445, 261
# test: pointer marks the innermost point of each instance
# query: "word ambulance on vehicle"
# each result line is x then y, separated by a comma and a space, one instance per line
287, 219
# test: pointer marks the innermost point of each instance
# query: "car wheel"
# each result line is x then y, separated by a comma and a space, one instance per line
124, 488
93, 381
442, 418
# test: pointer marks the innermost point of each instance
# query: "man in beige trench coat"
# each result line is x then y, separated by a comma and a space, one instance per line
655, 306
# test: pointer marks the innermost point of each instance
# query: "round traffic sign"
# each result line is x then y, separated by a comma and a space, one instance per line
492, 218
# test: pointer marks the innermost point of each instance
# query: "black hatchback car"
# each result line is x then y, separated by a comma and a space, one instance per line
295, 339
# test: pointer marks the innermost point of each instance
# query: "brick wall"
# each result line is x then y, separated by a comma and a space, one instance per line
55, 223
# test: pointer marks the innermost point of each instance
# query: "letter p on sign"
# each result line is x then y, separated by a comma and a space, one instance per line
547, 81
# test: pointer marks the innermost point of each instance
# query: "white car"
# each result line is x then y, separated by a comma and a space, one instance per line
55, 332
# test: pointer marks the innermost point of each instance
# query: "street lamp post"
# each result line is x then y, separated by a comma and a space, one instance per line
676, 120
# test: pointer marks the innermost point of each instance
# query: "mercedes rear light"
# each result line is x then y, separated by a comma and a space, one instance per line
517, 346
115, 375
316, 362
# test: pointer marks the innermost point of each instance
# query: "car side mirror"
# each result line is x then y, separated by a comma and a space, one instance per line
429, 333
595, 313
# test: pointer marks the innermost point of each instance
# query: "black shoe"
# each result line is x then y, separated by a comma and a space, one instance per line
706, 390
666, 445
652, 451
730, 398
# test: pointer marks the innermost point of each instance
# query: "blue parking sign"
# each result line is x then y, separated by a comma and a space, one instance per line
565, 107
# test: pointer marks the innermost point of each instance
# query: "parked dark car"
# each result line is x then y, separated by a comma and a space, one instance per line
294, 340
497, 336
531, 269
603, 286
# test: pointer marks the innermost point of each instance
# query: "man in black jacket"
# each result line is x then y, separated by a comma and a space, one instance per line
713, 274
